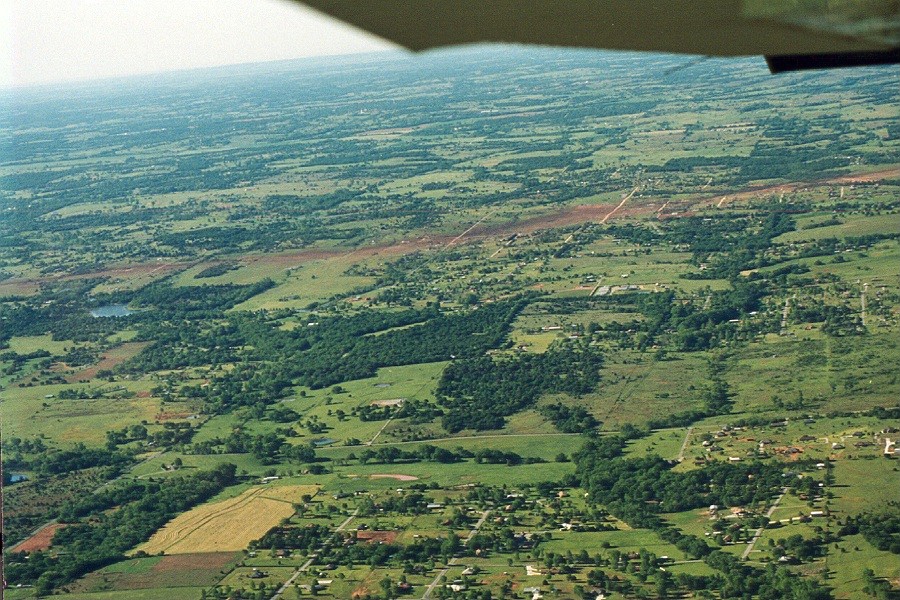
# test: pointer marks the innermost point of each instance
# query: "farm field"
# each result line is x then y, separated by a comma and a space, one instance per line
488, 325
228, 525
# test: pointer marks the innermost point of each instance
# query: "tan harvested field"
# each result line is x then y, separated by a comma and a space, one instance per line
228, 525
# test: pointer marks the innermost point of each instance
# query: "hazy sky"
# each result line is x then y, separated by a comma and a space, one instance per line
45, 41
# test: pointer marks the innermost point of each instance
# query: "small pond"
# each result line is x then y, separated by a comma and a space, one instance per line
111, 310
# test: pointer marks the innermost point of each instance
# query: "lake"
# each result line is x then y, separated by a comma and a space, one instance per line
111, 310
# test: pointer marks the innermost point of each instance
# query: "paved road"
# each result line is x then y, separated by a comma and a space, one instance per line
784, 315
430, 589
305, 566
759, 531
862, 301
684, 444
383, 427
621, 204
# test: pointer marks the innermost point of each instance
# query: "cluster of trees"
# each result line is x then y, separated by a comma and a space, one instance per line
62, 312
423, 453
838, 320
194, 302
683, 325
267, 447
217, 269
35, 456
430, 453
422, 550
306, 538
636, 490
335, 350
412, 503
83, 547
882, 530
570, 419
172, 434
441, 337
726, 244
479, 393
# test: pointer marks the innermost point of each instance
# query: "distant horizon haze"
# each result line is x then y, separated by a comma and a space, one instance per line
61, 41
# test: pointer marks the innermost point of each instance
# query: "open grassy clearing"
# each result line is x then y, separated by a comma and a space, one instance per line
28, 344
71, 421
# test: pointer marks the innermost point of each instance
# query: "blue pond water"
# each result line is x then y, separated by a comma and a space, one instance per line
111, 310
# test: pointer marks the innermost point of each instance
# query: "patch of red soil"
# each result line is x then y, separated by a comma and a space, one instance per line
396, 476
40, 540
360, 592
194, 562
790, 187
108, 361
375, 537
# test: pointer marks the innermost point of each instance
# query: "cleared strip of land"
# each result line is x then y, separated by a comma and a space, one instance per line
228, 525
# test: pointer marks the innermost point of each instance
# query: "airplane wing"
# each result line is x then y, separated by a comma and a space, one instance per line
792, 34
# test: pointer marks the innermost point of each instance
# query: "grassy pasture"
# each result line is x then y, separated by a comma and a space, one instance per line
624, 541
852, 227
30, 413
635, 388
33, 343
850, 557
179, 575
154, 467
307, 282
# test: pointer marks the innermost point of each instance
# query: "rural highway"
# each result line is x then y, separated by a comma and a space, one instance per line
684, 444
784, 315
383, 427
862, 301
306, 565
430, 589
621, 204
759, 531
